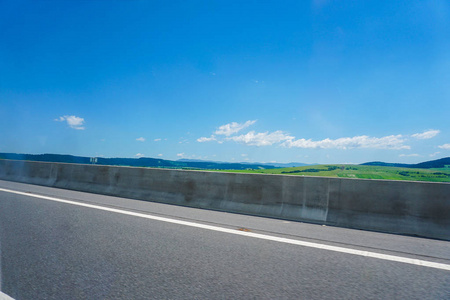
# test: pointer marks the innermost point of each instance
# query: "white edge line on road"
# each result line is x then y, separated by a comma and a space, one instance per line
401, 259
3, 296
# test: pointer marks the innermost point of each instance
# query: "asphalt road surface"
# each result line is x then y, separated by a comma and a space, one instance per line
60, 244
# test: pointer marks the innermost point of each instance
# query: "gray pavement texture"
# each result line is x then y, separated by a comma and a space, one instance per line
52, 250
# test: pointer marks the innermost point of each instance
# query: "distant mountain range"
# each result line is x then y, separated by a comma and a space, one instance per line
277, 165
138, 162
194, 164
438, 163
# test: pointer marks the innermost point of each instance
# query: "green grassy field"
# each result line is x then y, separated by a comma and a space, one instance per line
358, 171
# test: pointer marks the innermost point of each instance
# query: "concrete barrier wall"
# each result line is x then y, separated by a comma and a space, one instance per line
414, 208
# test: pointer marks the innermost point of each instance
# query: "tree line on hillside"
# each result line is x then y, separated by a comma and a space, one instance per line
133, 162
432, 164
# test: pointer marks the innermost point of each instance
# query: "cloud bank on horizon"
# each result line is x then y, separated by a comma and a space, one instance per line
283, 139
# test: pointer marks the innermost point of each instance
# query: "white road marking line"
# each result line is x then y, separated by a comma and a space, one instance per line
3, 296
412, 261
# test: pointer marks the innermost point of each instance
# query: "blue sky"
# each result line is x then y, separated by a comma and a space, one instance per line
288, 81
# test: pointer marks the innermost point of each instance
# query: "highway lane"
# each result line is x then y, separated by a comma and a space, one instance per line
52, 250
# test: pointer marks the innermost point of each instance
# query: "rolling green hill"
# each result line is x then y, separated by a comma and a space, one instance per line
438, 163
363, 172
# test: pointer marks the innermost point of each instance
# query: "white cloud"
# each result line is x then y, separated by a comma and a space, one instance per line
160, 155
180, 155
139, 155
253, 138
426, 134
445, 146
234, 127
262, 138
73, 121
363, 141
409, 155
205, 139
434, 154
157, 140
141, 139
